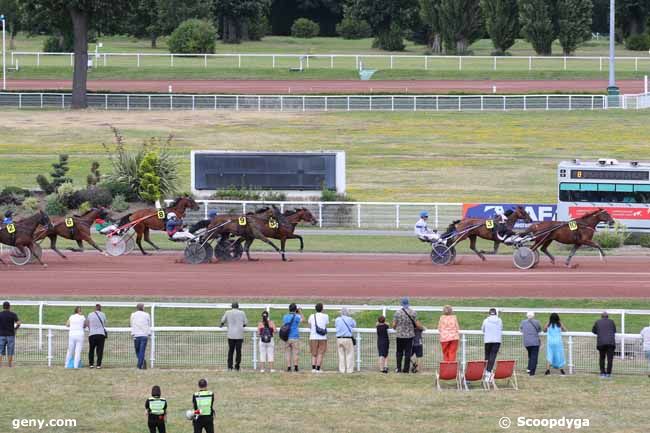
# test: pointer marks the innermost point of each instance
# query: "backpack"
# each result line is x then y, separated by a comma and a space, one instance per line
286, 329
266, 335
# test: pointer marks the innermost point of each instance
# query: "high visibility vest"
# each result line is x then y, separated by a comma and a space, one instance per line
157, 406
204, 402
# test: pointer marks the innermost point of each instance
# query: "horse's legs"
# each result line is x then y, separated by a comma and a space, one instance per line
571, 254
92, 243
496, 248
593, 244
247, 249
138, 241
38, 259
148, 240
54, 248
283, 243
268, 241
80, 245
545, 251
472, 246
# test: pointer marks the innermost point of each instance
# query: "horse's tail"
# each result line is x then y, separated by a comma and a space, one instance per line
199, 225
125, 220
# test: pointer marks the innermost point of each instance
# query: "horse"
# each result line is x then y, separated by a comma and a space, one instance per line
76, 228
21, 233
486, 229
151, 219
285, 229
576, 232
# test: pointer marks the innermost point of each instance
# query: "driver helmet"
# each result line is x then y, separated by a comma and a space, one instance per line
212, 213
9, 214
171, 215
424, 214
508, 212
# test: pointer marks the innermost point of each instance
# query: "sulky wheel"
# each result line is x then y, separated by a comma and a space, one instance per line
195, 254
441, 255
116, 246
208, 252
18, 258
228, 250
524, 258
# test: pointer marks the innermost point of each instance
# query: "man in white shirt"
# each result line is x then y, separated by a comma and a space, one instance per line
317, 342
422, 231
140, 330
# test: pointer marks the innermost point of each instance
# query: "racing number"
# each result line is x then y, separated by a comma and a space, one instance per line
11, 228
273, 223
161, 214
573, 226
489, 224
69, 223
242, 221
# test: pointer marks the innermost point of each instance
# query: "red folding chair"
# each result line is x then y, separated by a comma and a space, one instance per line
448, 371
474, 371
505, 370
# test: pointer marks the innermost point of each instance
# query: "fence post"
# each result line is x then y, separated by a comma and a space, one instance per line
570, 102
320, 215
463, 350
128, 103
71, 59
436, 220
281, 103
636, 64
359, 215
138, 57
481, 102
106, 101
259, 103
20, 100
255, 350
348, 103
40, 326
273, 61
332, 61
391, 61
392, 103
437, 104
237, 103
460, 63
205, 61
303, 103
565, 63
546, 102
601, 63
172, 60
525, 103
49, 347
38, 59
152, 357
358, 351
326, 103
104, 56
357, 63
239, 61
171, 102
397, 216
193, 102
415, 103
570, 354
41, 100
149, 102
623, 334
426, 63
62, 101
495, 63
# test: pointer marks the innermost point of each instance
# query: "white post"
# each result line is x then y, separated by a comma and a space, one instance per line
636, 64
570, 354
460, 63
396, 216
332, 62
149, 102
273, 63
546, 102
463, 351
391, 62
530, 63
495, 63
38, 59
138, 57
600, 62
106, 101
71, 59
128, 103
645, 85
320, 215
259, 103
40, 326
565, 63
623, 334
392, 103
426, 63
205, 60
303, 103
436, 220
358, 351
254, 349
4, 54
359, 215
49, 347
239, 61
171, 56
193, 103
152, 353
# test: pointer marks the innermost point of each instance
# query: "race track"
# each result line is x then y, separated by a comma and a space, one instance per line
324, 276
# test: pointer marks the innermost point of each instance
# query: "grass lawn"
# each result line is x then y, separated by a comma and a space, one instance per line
390, 156
112, 401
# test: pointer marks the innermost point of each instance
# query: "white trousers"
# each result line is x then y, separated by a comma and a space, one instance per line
106, 230
75, 345
429, 236
183, 236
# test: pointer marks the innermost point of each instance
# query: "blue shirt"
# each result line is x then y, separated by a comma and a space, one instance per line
172, 224
341, 328
293, 332
7, 220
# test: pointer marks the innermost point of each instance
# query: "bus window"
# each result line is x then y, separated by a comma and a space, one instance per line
604, 193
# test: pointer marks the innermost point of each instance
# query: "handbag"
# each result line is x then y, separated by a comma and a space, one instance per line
286, 329
320, 331
354, 340
102, 323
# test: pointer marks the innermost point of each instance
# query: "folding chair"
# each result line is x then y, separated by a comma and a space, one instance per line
448, 371
505, 369
474, 371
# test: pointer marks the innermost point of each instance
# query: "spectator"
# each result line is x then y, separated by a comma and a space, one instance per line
345, 341
605, 329
530, 329
449, 334
9, 324
203, 401
317, 341
96, 336
554, 345
404, 322
235, 320
645, 334
492, 330
266, 330
292, 345
383, 343
77, 324
418, 349
156, 411
140, 330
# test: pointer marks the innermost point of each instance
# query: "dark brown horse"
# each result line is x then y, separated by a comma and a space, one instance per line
76, 228
577, 232
21, 233
471, 228
149, 219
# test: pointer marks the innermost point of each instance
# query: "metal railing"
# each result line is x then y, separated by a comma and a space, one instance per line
362, 215
337, 61
193, 347
321, 103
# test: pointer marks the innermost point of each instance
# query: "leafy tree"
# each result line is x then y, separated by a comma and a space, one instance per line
143, 21
58, 175
502, 22
460, 24
13, 19
171, 13
431, 17
149, 178
193, 36
538, 24
234, 17
388, 20
574, 22
632, 16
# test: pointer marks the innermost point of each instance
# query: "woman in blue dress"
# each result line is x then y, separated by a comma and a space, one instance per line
554, 344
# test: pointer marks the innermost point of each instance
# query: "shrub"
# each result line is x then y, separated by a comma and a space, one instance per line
30, 204
119, 203
234, 193
98, 196
193, 36
148, 176
644, 241
53, 44
53, 205
612, 238
95, 176
119, 188
258, 28
350, 28
58, 174
390, 40
8, 190
84, 207
274, 196
69, 197
304, 28
329, 195
638, 42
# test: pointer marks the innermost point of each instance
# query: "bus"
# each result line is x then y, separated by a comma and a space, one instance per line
622, 188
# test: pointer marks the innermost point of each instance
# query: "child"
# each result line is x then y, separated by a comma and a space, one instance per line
156, 410
418, 351
382, 344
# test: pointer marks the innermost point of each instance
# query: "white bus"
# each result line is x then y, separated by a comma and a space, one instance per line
622, 188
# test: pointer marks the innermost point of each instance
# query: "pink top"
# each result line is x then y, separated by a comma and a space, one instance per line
448, 328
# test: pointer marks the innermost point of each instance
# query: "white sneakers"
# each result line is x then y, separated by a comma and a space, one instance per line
262, 371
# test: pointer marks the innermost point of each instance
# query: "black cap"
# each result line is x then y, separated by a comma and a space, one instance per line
9, 213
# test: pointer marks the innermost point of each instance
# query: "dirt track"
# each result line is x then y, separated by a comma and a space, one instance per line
325, 275
333, 86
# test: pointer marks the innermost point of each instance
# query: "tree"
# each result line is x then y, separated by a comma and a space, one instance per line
171, 13
388, 20
430, 16
632, 16
13, 17
234, 15
143, 21
502, 23
538, 24
58, 175
574, 23
460, 24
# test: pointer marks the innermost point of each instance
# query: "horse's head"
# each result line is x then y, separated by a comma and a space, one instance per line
305, 215
521, 214
603, 216
185, 202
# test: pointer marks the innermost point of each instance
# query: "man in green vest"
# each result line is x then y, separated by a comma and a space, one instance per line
203, 410
156, 411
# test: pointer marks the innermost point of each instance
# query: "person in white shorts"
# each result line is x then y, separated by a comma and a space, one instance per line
266, 331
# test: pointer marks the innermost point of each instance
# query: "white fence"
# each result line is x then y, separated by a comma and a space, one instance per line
321, 103
338, 61
362, 215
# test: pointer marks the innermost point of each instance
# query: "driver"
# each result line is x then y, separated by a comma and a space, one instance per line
421, 230
104, 227
9, 217
505, 234
174, 227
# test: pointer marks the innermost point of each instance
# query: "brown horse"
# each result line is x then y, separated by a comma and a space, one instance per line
577, 232
76, 228
486, 229
284, 230
21, 233
151, 220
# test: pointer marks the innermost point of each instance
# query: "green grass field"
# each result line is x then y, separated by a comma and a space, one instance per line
390, 156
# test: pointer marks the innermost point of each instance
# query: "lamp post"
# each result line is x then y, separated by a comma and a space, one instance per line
612, 88
4, 54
